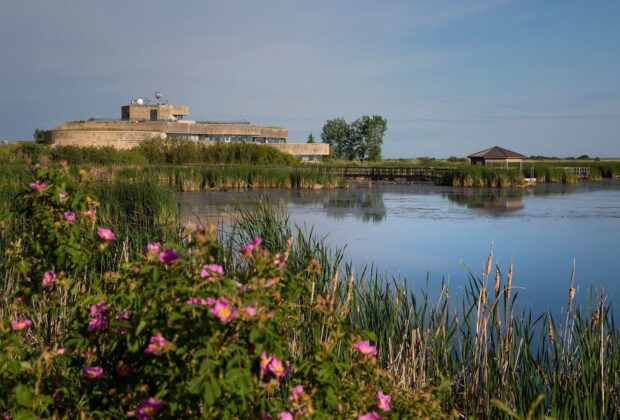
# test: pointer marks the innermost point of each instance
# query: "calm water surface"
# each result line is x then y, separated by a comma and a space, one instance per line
419, 231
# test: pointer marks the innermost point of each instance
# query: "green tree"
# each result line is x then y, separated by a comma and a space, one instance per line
310, 138
336, 134
39, 136
367, 137
361, 139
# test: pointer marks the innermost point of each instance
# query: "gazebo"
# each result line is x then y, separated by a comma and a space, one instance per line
496, 155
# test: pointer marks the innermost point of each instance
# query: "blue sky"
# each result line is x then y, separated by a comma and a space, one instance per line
451, 77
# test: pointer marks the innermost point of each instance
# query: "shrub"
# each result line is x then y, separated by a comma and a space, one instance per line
175, 332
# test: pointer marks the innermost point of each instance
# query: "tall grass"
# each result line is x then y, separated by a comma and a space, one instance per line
479, 176
480, 339
218, 177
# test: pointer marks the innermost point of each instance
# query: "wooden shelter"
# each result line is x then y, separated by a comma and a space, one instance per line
496, 155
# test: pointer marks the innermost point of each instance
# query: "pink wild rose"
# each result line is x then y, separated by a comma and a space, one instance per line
125, 315
148, 408
277, 367
223, 310
99, 308
364, 347
157, 345
250, 310
285, 415
200, 301
69, 216
168, 256
95, 324
251, 246
49, 277
105, 235
212, 271
264, 362
296, 393
38, 185
92, 372
383, 401
153, 248
369, 416
20, 324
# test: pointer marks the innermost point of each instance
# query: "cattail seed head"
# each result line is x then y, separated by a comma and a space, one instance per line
497, 281
509, 281
490, 260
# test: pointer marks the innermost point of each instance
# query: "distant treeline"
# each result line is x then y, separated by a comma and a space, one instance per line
156, 151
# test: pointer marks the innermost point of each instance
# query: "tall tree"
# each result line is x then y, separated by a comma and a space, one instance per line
39, 136
367, 137
362, 139
310, 138
336, 134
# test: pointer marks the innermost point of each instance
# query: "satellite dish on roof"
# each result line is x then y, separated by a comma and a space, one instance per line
158, 95
140, 101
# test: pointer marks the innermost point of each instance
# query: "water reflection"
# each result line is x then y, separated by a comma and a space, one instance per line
366, 205
422, 232
494, 202
372, 205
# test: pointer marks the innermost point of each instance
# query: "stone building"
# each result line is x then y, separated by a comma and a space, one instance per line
141, 121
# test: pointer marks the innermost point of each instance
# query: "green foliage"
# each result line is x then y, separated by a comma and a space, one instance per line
175, 151
480, 176
157, 151
310, 138
362, 139
39, 136
336, 134
174, 332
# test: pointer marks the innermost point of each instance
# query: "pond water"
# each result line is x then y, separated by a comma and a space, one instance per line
419, 232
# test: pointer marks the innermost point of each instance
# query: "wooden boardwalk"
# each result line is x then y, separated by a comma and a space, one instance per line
389, 173
430, 174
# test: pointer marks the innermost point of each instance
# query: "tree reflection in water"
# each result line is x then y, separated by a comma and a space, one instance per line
493, 201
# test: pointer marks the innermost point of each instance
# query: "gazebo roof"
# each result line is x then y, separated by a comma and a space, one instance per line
497, 152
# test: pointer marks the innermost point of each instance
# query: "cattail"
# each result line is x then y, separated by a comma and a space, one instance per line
334, 287
347, 301
497, 281
551, 332
490, 260
509, 281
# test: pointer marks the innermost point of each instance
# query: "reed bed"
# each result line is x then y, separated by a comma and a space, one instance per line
490, 350
494, 353
220, 177
479, 176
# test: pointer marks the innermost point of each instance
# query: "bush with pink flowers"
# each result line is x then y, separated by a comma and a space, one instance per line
174, 333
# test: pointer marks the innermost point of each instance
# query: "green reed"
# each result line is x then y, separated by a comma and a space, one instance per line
479, 339
480, 176
218, 177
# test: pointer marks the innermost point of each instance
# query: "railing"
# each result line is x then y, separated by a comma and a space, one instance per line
579, 172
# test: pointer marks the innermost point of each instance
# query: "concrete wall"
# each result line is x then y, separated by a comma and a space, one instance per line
297, 149
164, 112
180, 127
100, 138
